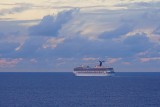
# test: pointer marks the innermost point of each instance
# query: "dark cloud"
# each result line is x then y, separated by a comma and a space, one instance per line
122, 30
31, 48
138, 43
50, 26
79, 47
129, 47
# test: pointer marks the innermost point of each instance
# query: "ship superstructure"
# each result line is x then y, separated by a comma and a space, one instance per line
98, 70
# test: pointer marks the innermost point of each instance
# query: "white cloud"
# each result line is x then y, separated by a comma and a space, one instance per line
50, 25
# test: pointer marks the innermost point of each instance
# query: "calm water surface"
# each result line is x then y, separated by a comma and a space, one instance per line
66, 90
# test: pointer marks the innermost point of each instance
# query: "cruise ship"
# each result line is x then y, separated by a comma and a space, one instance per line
98, 70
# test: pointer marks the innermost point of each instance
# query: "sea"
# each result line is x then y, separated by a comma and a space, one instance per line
134, 89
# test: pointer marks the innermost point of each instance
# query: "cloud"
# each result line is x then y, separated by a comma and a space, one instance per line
90, 59
113, 60
138, 43
20, 7
38, 47
50, 26
7, 62
129, 47
10, 39
149, 59
53, 42
33, 60
78, 47
140, 4
31, 48
120, 31
121, 37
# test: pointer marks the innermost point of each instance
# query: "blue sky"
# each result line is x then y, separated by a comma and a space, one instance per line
57, 35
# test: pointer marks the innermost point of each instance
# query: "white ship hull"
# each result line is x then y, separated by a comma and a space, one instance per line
93, 73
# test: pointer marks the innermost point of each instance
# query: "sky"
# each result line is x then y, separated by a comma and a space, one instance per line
58, 35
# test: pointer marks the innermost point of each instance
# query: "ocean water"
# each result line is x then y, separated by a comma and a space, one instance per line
66, 90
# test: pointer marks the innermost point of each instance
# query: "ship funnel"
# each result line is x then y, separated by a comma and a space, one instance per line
100, 63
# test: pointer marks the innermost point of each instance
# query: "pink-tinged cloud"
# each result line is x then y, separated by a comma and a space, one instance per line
126, 63
149, 59
53, 42
113, 60
7, 62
